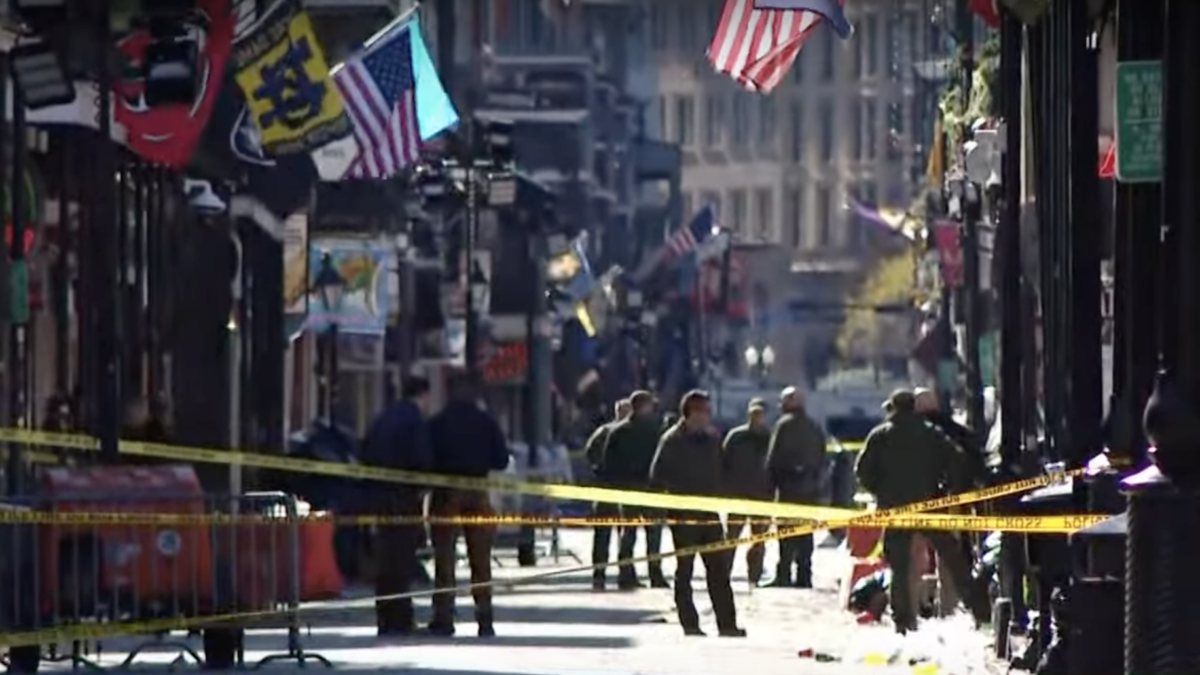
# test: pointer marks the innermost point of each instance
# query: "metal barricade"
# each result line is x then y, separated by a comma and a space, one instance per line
142, 551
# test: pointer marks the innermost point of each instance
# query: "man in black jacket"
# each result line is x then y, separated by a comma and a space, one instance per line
688, 461
602, 533
744, 458
974, 464
399, 439
627, 456
795, 460
468, 442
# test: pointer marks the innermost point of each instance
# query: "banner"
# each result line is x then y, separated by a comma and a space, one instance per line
362, 266
289, 94
295, 274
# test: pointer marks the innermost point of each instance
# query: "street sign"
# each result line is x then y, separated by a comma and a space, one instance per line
1139, 121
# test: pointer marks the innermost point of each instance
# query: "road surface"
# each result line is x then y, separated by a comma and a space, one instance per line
560, 627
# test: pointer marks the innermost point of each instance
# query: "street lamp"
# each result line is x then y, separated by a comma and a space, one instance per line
759, 360
330, 288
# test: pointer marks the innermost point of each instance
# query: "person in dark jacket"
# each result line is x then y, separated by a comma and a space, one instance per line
907, 460
602, 533
743, 461
689, 461
467, 441
399, 439
795, 461
974, 465
628, 453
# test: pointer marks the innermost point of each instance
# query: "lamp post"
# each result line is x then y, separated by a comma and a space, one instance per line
759, 360
329, 287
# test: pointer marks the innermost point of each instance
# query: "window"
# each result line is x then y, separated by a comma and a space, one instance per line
871, 39
794, 217
796, 113
827, 131
870, 129
714, 120
712, 199
764, 214
911, 25
868, 193
687, 27
824, 217
741, 119
685, 112
661, 104
798, 68
686, 205
828, 55
659, 18
856, 123
766, 120
737, 210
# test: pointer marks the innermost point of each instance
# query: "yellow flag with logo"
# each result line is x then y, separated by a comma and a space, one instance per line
934, 171
290, 95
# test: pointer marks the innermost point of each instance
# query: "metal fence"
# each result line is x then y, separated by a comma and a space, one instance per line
129, 576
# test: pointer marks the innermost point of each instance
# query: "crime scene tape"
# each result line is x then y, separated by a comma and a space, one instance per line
1062, 524
655, 500
103, 630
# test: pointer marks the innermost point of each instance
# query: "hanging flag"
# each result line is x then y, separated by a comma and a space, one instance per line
282, 71
896, 221
683, 243
168, 133
829, 10
395, 99
757, 46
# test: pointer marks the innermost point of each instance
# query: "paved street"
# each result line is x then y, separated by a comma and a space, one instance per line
559, 627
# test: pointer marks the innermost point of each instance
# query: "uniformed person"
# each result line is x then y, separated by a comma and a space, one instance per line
744, 457
602, 533
628, 453
907, 460
795, 461
688, 461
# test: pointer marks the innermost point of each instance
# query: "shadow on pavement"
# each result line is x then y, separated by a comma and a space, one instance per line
333, 641
465, 613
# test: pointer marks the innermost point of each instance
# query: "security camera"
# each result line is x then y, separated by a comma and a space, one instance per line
202, 197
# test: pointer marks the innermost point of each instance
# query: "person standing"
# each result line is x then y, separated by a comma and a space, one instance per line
628, 452
468, 442
744, 457
602, 532
688, 461
399, 439
795, 462
974, 464
907, 460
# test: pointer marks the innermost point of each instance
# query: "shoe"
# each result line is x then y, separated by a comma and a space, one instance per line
486, 630
777, 582
659, 582
440, 629
803, 583
733, 632
693, 632
598, 583
629, 584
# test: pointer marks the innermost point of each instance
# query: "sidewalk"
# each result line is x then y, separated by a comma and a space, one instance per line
558, 626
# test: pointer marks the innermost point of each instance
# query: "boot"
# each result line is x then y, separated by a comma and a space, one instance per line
804, 578
598, 582
657, 578
627, 580
783, 579
486, 626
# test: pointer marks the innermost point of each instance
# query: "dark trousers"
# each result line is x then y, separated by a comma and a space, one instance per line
897, 551
797, 551
754, 556
717, 566
396, 549
447, 503
602, 539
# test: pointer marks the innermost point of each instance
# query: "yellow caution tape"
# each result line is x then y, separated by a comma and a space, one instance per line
945, 522
95, 631
655, 500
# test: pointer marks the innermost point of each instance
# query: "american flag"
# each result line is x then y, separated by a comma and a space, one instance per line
687, 240
756, 45
380, 93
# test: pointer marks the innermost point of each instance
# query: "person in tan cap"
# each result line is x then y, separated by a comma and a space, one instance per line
743, 461
907, 460
795, 461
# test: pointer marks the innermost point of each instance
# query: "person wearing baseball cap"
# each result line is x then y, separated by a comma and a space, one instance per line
743, 461
907, 460
795, 462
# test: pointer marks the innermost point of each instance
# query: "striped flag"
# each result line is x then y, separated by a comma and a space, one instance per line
379, 89
756, 45
688, 240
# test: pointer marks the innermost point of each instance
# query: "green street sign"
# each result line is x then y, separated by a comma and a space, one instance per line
1139, 122
18, 286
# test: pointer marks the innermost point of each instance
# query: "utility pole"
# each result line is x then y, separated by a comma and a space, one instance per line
18, 300
972, 301
107, 423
